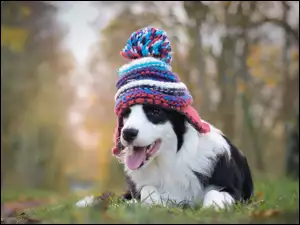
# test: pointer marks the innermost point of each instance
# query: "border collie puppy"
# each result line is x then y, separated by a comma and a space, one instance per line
170, 154
167, 160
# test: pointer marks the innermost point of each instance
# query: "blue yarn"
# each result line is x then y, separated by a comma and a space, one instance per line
144, 50
157, 65
139, 45
168, 98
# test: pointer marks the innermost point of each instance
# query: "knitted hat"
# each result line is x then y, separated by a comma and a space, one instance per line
148, 79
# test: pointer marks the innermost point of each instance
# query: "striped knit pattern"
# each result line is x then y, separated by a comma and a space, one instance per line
148, 79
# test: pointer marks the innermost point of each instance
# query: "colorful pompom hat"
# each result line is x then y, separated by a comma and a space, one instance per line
148, 79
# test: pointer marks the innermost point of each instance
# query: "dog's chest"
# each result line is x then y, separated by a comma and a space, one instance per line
175, 183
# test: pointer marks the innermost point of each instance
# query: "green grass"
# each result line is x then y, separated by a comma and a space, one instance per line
278, 203
12, 195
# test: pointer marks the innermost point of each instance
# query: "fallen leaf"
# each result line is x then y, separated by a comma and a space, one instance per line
102, 202
106, 196
19, 220
259, 195
271, 212
265, 213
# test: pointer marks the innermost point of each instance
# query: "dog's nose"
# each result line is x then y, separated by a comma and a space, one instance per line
129, 134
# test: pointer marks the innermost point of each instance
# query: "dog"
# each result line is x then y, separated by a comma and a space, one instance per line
167, 161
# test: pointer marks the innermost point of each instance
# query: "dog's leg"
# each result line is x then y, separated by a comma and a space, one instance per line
217, 199
151, 196
93, 200
86, 201
132, 195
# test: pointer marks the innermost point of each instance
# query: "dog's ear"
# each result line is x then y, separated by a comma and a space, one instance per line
120, 146
118, 133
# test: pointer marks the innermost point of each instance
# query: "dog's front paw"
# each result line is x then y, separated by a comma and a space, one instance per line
150, 196
217, 200
85, 202
132, 201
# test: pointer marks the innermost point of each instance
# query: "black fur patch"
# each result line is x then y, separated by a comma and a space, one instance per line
159, 115
126, 113
232, 175
244, 169
131, 191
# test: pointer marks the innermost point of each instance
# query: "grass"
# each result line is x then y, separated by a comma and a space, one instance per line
276, 201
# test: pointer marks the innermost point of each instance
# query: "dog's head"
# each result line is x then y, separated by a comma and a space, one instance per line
150, 132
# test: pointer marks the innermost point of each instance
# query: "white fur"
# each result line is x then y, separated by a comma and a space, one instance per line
169, 176
170, 173
217, 200
150, 195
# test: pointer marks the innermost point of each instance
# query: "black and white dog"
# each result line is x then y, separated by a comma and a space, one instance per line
167, 161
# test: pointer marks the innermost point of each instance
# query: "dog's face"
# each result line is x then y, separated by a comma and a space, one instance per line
150, 132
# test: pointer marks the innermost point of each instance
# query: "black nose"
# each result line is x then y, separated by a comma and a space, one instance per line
130, 134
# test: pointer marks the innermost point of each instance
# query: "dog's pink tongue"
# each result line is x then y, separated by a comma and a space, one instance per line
135, 159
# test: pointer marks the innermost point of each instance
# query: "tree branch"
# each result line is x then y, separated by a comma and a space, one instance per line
278, 22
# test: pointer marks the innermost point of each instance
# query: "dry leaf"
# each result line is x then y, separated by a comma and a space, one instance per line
271, 212
259, 195
265, 213
103, 201
19, 220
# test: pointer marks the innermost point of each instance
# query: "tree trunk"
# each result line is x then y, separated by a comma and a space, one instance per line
202, 105
249, 124
227, 86
292, 150
288, 96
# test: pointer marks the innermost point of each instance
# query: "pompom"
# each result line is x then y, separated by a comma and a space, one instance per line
148, 41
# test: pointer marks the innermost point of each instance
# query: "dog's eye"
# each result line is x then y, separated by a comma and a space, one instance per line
155, 111
154, 114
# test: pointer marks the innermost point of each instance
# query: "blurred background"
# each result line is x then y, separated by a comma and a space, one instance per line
239, 59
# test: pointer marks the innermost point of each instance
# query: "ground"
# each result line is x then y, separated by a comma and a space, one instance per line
276, 201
